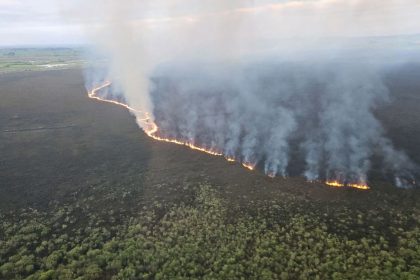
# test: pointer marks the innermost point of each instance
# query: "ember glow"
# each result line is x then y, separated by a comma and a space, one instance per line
152, 130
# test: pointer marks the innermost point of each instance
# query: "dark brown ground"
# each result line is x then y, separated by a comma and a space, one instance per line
56, 144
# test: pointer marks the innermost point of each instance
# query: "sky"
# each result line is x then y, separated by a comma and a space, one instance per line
68, 22
37, 22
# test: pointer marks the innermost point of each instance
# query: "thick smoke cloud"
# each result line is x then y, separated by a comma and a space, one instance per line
255, 80
255, 114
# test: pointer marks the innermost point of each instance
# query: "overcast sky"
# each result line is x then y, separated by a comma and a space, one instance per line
37, 22
61, 22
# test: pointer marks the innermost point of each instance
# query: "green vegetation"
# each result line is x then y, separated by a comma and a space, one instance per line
30, 59
209, 238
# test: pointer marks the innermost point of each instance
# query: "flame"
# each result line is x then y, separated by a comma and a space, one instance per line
155, 129
230, 159
150, 127
93, 95
151, 130
248, 165
360, 186
335, 184
338, 184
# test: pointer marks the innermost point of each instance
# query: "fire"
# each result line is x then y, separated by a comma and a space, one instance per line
151, 129
335, 184
360, 186
338, 184
152, 132
94, 92
248, 165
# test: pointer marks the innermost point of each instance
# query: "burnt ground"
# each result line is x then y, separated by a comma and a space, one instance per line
57, 145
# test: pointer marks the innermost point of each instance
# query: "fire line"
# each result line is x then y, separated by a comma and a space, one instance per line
151, 129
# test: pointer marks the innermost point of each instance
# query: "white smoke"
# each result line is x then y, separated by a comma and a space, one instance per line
255, 116
220, 77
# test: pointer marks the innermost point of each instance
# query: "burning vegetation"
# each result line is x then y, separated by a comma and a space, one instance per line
211, 83
152, 130
338, 184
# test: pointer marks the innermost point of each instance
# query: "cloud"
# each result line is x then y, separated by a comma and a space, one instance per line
285, 18
35, 22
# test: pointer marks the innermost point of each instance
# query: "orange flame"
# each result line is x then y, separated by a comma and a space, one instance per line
94, 92
248, 165
338, 184
335, 184
230, 159
152, 132
360, 186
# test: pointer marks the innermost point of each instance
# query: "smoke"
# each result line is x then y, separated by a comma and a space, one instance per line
256, 79
256, 113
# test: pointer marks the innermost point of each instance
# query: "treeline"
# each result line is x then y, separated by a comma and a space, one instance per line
206, 239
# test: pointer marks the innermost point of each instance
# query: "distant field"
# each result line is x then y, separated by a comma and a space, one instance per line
35, 59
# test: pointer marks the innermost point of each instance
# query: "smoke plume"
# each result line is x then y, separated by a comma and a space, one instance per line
256, 80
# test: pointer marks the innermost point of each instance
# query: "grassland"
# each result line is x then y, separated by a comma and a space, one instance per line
36, 59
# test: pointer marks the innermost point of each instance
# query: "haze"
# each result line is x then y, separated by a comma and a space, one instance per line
48, 22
